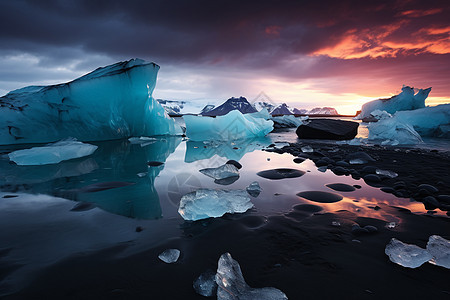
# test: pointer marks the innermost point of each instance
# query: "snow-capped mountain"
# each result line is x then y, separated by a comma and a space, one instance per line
282, 109
207, 108
297, 111
259, 105
323, 111
240, 104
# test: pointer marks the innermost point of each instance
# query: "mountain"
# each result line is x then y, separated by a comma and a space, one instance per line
282, 109
207, 108
323, 111
297, 111
240, 104
172, 107
263, 104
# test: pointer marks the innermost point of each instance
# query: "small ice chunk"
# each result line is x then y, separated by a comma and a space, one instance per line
205, 284
209, 203
336, 224
307, 149
254, 189
386, 173
143, 140
391, 225
142, 174
52, 153
439, 248
169, 256
410, 256
222, 172
357, 161
231, 283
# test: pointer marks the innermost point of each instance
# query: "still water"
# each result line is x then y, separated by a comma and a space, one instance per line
41, 221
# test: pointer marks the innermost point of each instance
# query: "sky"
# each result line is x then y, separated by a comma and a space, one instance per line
305, 53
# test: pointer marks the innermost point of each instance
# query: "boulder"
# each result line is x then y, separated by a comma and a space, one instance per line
328, 129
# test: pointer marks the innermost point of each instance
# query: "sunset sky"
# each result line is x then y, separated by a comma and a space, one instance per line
304, 53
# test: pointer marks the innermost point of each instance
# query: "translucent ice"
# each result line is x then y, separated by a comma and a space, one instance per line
410, 256
52, 153
169, 256
386, 173
231, 283
205, 284
406, 100
307, 149
222, 172
288, 121
254, 189
439, 249
232, 126
209, 203
109, 103
393, 131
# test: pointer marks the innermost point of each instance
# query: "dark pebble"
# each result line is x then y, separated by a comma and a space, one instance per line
234, 163
356, 229
342, 163
444, 198
371, 229
299, 160
372, 178
429, 188
308, 208
139, 229
340, 171
431, 200
387, 189
357, 186
276, 174
369, 169
341, 187
319, 196
10, 196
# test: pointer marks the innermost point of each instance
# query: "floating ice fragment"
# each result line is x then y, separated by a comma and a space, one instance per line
222, 172
307, 149
288, 121
336, 224
393, 132
386, 173
142, 174
169, 256
205, 284
232, 286
254, 189
143, 140
52, 153
391, 225
410, 256
208, 203
439, 249
232, 126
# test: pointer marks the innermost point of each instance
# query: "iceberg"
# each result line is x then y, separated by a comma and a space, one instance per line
406, 100
439, 248
288, 121
170, 256
231, 283
209, 203
223, 172
112, 102
392, 132
52, 153
232, 126
410, 256
254, 189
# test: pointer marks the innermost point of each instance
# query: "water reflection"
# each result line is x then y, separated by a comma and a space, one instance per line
114, 161
228, 149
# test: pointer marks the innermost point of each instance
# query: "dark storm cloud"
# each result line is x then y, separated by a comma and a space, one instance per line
203, 31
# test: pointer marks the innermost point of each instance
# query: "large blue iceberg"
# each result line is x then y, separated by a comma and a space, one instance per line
112, 102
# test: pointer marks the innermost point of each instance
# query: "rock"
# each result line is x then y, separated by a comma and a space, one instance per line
154, 163
371, 229
299, 160
387, 189
444, 198
328, 129
340, 171
319, 196
369, 170
371, 178
341, 187
276, 174
429, 188
342, 163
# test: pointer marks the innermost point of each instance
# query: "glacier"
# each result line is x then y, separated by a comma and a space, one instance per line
52, 153
209, 203
232, 126
111, 102
406, 100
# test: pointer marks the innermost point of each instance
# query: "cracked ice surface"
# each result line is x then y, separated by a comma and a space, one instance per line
439, 248
52, 153
111, 102
231, 283
410, 256
209, 203
222, 172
